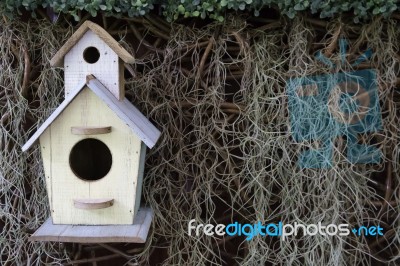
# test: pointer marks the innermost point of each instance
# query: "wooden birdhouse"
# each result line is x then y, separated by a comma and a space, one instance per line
93, 145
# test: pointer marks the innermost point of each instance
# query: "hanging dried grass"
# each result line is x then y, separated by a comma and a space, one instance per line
226, 154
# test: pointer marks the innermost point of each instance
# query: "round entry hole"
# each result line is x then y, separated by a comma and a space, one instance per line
91, 55
90, 159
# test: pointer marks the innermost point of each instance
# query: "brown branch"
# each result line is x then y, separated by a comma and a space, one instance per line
160, 23
154, 45
386, 237
204, 57
333, 43
379, 203
27, 70
137, 20
104, 19
116, 251
102, 258
398, 82
93, 255
82, 20
142, 40
91, 260
156, 28
4, 118
231, 111
114, 24
194, 45
317, 22
78, 253
192, 102
240, 40
130, 69
270, 26
43, 15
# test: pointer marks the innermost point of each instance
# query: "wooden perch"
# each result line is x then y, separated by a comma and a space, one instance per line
90, 130
92, 204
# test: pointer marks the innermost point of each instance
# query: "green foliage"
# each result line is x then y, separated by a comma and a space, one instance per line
193, 8
9, 7
132, 8
214, 9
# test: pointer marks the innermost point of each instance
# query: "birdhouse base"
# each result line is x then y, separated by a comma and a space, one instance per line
133, 233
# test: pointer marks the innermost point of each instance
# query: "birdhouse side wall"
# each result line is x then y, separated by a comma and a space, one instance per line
107, 69
121, 182
140, 176
46, 152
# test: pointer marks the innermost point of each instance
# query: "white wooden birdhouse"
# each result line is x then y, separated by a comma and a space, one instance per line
93, 145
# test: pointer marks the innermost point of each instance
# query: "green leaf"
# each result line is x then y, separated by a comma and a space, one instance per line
181, 9
25, 3
93, 12
76, 17
299, 7
291, 13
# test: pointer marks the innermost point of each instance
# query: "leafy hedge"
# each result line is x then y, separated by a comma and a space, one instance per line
215, 9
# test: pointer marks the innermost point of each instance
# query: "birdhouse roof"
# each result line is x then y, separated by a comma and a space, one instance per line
58, 58
127, 112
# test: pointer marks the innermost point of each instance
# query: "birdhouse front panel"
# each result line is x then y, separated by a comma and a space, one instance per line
92, 56
92, 164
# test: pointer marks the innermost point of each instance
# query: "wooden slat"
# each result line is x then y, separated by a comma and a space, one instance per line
92, 204
144, 227
134, 233
90, 130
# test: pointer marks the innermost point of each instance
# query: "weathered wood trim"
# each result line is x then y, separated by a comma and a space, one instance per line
133, 233
90, 130
58, 58
93, 204
125, 110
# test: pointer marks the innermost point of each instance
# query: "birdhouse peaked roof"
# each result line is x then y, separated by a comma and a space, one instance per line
136, 121
58, 58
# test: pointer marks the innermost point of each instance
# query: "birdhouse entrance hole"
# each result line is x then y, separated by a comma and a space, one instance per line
91, 55
90, 159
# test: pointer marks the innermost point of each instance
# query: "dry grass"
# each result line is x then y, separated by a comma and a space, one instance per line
226, 153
